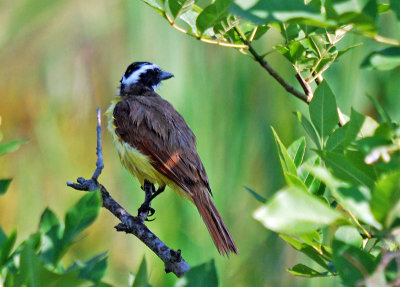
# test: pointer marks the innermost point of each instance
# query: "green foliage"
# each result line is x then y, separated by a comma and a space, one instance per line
36, 261
201, 275
6, 148
386, 59
359, 167
141, 278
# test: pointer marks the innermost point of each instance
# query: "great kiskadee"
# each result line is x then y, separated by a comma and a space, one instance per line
156, 145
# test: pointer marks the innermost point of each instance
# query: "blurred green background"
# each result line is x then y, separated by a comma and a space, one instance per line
59, 60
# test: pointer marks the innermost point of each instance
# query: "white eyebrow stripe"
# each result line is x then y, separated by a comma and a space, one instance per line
134, 77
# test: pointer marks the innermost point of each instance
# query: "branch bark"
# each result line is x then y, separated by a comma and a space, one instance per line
173, 261
289, 88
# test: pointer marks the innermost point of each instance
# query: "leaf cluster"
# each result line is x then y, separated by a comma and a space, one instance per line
310, 30
341, 204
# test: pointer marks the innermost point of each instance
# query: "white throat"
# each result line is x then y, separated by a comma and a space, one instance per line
135, 76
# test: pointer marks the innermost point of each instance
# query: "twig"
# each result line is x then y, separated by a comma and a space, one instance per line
172, 259
289, 88
306, 87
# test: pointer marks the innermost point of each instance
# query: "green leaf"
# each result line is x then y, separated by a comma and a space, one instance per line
294, 180
199, 276
7, 246
323, 111
52, 229
178, 7
313, 184
156, 6
4, 184
81, 215
308, 250
350, 260
343, 169
313, 239
190, 18
142, 278
344, 51
48, 221
11, 146
386, 198
349, 235
256, 195
395, 6
309, 128
294, 211
261, 30
305, 271
30, 266
335, 140
33, 273
277, 11
286, 162
369, 126
386, 59
93, 269
353, 127
383, 114
213, 15
3, 236
317, 43
297, 150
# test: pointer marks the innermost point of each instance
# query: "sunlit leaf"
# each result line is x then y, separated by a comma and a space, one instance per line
294, 211
355, 200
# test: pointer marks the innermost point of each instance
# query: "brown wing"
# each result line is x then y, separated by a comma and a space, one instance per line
152, 125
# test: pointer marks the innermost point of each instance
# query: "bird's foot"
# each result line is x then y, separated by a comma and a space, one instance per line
145, 209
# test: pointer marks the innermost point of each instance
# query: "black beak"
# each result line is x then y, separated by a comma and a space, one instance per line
165, 75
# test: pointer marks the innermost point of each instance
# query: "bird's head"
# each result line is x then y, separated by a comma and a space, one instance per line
143, 74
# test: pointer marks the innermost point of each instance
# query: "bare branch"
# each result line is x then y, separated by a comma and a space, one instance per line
173, 261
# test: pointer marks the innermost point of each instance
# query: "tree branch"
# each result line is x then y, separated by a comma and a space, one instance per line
172, 259
289, 88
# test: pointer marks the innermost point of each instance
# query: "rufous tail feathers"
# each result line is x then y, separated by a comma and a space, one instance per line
214, 222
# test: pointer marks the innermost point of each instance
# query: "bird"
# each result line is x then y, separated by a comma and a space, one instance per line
156, 145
